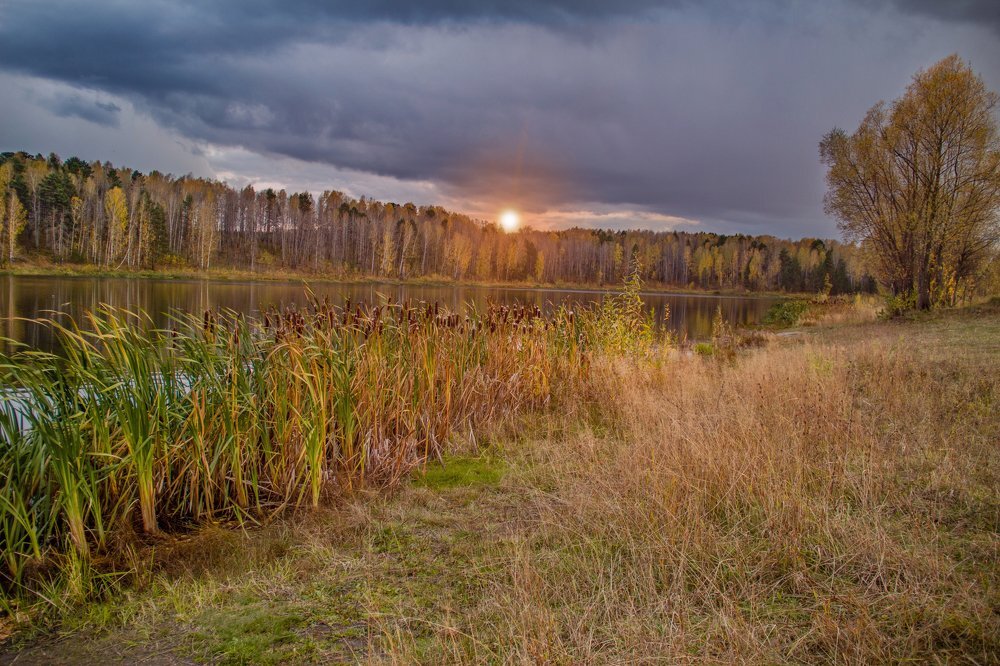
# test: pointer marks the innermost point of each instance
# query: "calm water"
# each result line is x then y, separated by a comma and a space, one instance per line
34, 297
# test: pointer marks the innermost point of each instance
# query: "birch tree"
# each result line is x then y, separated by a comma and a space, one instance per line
13, 217
116, 212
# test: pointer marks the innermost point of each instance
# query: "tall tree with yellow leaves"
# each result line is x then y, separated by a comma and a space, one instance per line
116, 209
13, 215
918, 183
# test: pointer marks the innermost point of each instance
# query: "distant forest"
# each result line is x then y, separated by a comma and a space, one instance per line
94, 213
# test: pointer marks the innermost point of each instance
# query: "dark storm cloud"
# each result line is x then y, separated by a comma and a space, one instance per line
147, 47
69, 105
984, 12
705, 111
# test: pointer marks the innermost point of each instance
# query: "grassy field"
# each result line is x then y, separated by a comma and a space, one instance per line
831, 496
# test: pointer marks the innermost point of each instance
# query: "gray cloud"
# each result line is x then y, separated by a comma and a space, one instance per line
68, 105
982, 12
708, 112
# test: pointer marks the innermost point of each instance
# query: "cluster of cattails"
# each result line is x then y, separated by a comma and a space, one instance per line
367, 320
209, 322
225, 418
501, 317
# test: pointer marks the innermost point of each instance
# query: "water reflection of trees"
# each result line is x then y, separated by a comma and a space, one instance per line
29, 297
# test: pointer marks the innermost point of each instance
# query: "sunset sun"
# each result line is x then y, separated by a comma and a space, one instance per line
510, 220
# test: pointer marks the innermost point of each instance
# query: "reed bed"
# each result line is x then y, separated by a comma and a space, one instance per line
131, 430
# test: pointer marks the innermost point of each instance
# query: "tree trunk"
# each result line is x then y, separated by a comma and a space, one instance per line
923, 290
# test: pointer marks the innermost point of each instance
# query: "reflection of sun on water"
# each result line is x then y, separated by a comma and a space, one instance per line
509, 220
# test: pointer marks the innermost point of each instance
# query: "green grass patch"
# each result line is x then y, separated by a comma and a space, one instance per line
257, 634
705, 349
462, 472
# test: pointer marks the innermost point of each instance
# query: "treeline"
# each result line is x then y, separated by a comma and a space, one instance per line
114, 217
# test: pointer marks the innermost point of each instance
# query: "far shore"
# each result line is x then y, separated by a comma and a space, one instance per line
47, 269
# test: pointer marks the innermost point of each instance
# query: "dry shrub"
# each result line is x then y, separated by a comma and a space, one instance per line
839, 310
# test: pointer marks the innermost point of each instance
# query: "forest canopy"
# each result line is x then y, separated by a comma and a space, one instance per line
114, 217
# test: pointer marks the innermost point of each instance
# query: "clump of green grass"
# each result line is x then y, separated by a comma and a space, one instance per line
458, 472
704, 349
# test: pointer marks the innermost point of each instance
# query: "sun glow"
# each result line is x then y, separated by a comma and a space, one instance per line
509, 220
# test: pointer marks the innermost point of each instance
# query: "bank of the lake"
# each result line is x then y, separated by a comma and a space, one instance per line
830, 497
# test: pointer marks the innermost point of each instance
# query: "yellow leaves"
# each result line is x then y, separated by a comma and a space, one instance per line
76, 208
6, 174
116, 208
13, 217
17, 216
918, 180
34, 172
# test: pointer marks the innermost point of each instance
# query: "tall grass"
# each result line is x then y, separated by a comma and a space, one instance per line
808, 503
131, 429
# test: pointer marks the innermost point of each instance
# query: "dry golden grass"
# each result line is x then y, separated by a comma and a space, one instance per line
831, 498
809, 504
831, 501
839, 310
818, 502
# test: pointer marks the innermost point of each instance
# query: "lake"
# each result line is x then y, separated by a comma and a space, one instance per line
41, 296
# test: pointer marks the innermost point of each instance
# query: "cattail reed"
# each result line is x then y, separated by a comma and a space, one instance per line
221, 419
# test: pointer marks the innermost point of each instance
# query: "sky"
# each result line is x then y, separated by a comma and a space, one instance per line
617, 114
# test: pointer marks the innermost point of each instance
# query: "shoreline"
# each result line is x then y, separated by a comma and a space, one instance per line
296, 277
